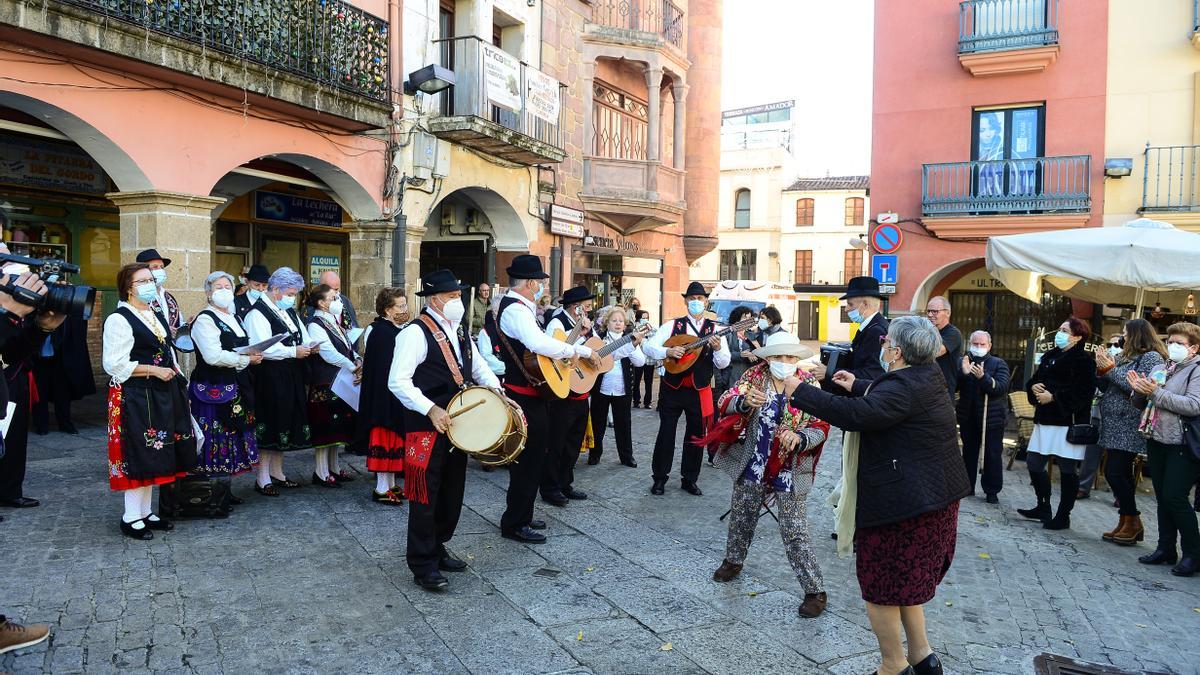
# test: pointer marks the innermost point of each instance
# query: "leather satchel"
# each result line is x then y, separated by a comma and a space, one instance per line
1083, 434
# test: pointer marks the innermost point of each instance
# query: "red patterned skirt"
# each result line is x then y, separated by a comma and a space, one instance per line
385, 451
901, 564
117, 467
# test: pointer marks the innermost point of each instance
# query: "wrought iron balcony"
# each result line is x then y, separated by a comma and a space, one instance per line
1033, 185
998, 25
660, 17
1169, 179
330, 42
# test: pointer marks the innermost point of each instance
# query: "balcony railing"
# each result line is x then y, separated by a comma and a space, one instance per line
1169, 178
496, 87
996, 25
660, 17
1033, 185
329, 41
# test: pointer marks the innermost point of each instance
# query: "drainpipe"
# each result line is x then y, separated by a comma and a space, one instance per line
395, 77
399, 244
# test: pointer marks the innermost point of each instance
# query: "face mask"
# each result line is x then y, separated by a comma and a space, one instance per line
763, 324
1061, 339
335, 308
537, 295
855, 316
782, 371
146, 292
286, 302
253, 295
453, 310
1177, 352
223, 297
160, 276
883, 360
695, 307
242, 280
1115, 351
979, 352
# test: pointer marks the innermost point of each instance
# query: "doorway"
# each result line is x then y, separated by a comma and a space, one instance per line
309, 253
467, 259
808, 314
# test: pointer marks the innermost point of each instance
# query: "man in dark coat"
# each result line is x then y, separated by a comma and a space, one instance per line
256, 286
982, 401
62, 370
863, 303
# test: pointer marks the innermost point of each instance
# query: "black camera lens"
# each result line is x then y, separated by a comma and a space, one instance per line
76, 301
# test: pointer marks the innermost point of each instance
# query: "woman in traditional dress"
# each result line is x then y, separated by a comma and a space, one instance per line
330, 418
282, 425
150, 436
380, 413
221, 392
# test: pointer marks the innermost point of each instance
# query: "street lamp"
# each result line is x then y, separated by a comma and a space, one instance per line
431, 79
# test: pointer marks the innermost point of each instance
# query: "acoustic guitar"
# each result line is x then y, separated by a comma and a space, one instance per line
555, 373
583, 379
692, 346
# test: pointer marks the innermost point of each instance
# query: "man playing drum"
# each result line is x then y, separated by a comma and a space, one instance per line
435, 358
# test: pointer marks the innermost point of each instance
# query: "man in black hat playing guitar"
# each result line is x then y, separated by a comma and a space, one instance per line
688, 393
519, 333
863, 303
568, 416
435, 358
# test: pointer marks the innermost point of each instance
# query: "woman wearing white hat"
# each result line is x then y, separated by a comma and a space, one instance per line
776, 456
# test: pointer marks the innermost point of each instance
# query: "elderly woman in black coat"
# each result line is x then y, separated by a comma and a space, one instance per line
909, 481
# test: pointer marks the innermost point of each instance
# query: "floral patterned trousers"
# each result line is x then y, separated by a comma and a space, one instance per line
793, 526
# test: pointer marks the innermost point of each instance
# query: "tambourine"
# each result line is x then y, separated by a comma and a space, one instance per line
182, 341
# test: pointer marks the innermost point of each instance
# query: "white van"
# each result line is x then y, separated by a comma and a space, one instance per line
756, 295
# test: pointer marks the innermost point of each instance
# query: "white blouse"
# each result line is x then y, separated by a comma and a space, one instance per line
207, 336
259, 329
329, 353
118, 342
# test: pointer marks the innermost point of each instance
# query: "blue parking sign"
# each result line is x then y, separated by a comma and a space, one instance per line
883, 268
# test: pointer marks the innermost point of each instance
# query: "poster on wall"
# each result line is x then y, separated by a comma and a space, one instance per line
542, 98
502, 78
50, 166
296, 209
319, 264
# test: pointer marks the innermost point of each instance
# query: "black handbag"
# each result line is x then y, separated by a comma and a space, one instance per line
1083, 434
1191, 426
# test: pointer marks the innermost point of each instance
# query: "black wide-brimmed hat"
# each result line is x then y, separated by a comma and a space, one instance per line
441, 281
862, 287
526, 267
258, 273
152, 254
577, 294
695, 288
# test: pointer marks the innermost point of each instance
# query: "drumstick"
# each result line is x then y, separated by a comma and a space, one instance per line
470, 406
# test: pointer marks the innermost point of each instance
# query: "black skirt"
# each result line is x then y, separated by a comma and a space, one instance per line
157, 438
281, 407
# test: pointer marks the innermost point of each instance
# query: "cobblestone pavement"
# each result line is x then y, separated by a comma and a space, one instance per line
315, 581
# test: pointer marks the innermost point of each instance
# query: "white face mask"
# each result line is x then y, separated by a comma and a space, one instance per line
782, 371
223, 297
454, 310
979, 352
160, 276
1177, 352
335, 307
763, 324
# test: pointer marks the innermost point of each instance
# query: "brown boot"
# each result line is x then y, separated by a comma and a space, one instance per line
1108, 536
727, 571
813, 605
14, 636
1133, 533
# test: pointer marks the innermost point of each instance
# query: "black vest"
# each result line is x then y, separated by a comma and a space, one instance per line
567, 324
432, 375
148, 350
513, 368
702, 370
241, 305
377, 405
624, 367
293, 338
208, 373
492, 328
321, 372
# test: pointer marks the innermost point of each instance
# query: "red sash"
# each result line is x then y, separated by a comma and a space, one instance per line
418, 449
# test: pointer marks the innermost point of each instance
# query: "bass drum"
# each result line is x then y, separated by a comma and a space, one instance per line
487, 426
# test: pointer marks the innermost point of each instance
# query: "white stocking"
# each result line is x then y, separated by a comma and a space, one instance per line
277, 466
148, 502
384, 481
264, 469
333, 459
133, 508
321, 457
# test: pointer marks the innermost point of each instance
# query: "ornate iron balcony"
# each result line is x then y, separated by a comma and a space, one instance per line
1033, 185
661, 17
997, 25
1169, 179
328, 41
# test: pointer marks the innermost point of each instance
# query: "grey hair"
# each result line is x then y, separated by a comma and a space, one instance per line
980, 332
917, 338
942, 299
872, 302
212, 279
285, 279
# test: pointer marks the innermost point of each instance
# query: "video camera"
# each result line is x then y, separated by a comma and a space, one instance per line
60, 298
831, 354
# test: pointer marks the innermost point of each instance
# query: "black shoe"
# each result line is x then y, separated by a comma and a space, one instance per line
343, 477
992, 498
556, 498
68, 428
691, 488
525, 535
629, 463
236, 501
1040, 512
572, 493
1159, 557
143, 534
593, 460
1059, 522
448, 563
161, 524
284, 482
931, 665
432, 581
658, 487
330, 482
41, 432
637, 405
537, 524
1187, 567
20, 503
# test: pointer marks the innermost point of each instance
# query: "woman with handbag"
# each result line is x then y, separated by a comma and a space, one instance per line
1140, 351
1061, 392
1171, 395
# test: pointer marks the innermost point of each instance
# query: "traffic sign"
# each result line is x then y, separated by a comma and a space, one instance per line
884, 268
886, 238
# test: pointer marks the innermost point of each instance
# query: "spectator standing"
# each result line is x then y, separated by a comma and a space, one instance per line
643, 377
982, 405
62, 369
480, 305
950, 357
1091, 457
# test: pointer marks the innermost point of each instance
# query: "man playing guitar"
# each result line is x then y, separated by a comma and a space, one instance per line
519, 333
688, 393
568, 416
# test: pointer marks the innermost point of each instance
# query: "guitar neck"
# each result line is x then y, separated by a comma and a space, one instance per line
615, 345
721, 333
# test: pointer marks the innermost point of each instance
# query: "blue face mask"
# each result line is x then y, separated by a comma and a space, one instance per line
146, 292
253, 296
855, 315
537, 295
286, 302
1061, 339
695, 307
883, 361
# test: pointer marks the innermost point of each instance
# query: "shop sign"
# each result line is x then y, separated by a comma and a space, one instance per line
296, 209
566, 221
618, 245
502, 78
50, 166
542, 99
319, 264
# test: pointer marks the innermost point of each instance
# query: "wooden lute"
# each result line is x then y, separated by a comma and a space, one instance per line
693, 345
555, 373
583, 379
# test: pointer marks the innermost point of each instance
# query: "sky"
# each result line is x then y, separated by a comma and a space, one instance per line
817, 52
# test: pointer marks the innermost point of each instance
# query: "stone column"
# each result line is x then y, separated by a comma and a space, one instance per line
654, 112
679, 92
370, 264
587, 79
178, 225
412, 263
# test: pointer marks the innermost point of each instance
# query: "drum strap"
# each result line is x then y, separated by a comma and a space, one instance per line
440, 338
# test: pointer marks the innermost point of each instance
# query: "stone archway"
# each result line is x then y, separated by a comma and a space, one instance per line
453, 238
936, 278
